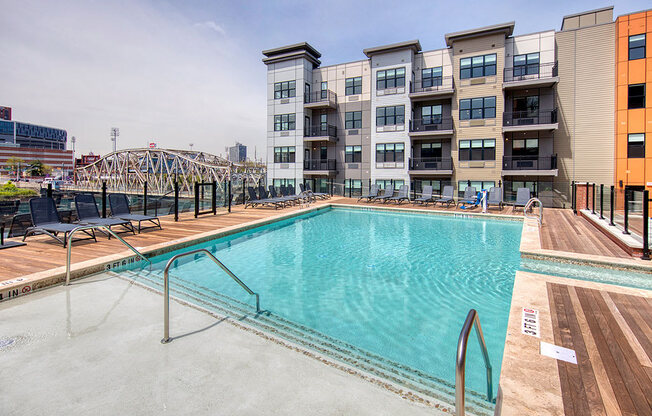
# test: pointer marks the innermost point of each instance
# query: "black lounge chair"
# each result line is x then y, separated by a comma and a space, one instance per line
373, 192
495, 197
426, 196
522, 197
290, 192
266, 196
446, 196
389, 192
403, 191
321, 195
88, 213
46, 220
470, 197
273, 195
120, 209
254, 200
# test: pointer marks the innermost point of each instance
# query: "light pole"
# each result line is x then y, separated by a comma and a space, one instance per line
115, 132
191, 145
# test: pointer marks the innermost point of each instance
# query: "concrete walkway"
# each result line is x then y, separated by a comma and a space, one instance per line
93, 348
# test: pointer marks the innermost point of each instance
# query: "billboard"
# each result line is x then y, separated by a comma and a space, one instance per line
5, 113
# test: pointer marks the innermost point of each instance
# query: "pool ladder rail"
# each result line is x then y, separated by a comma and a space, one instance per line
166, 284
472, 320
530, 204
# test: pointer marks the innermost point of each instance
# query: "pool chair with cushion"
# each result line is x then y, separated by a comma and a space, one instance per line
403, 191
373, 192
88, 213
389, 192
120, 209
446, 196
426, 196
46, 220
522, 197
321, 195
470, 197
495, 197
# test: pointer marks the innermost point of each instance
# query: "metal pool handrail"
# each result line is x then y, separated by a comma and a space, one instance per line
531, 202
166, 284
97, 227
472, 320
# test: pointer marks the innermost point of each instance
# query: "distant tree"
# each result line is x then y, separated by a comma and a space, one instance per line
38, 168
15, 163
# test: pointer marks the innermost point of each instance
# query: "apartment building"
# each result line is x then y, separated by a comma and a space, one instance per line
490, 109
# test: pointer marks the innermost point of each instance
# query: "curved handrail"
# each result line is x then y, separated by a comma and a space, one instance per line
97, 227
529, 204
472, 320
166, 284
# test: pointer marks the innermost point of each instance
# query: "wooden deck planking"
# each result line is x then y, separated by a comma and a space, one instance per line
611, 334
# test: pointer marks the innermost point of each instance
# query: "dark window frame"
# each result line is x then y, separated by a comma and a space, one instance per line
284, 154
433, 117
468, 105
353, 120
355, 87
285, 122
429, 77
527, 67
639, 50
353, 154
478, 66
635, 149
393, 115
636, 99
389, 152
285, 90
390, 78
486, 151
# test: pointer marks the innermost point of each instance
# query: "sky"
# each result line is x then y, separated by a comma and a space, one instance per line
190, 72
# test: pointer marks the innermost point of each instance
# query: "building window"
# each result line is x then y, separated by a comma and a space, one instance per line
525, 147
353, 154
636, 96
390, 78
283, 182
355, 186
389, 116
284, 154
526, 64
435, 183
637, 47
431, 77
431, 114
478, 66
324, 90
477, 149
285, 89
390, 152
353, 120
636, 145
284, 122
431, 149
525, 107
475, 108
353, 86
478, 185
387, 183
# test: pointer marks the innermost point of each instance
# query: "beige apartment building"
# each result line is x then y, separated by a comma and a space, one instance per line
490, 109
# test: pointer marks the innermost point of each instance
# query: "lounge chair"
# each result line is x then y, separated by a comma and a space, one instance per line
426, 196
120, 209
389, 192
403, 191
321, 195
522, 198
495, 197
284, 200
446, 196
288, 192
255, 200
470, 197
373, 192
46, 220
264, 195
88, 213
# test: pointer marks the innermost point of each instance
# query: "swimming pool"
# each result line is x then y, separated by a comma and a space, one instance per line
390, 289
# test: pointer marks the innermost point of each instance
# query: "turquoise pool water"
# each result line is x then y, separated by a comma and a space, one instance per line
396, 285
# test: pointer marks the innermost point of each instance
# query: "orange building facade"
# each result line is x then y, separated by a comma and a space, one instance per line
633, 102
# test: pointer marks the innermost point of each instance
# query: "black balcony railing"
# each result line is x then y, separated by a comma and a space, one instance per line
325, 96
526, 118
326, 130
431, 124
529, 72
432, 84
530, 162
319, 164
431, 163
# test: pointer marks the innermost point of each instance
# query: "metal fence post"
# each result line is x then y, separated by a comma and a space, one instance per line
350, 186
626, 221
574, 197
587, 196
244, 187
593, 198
214, 197
196, 199
145, 198
601, 201
646, 209
103, 199
176, 201
611, 203
229, 194
225, 191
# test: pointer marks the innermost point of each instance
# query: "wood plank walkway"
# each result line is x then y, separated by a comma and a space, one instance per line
564, 231
611, 334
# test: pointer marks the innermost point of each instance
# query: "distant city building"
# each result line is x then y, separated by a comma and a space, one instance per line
5, 113
237, 153
86, 160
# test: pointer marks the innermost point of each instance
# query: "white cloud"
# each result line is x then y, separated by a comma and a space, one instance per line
211, 25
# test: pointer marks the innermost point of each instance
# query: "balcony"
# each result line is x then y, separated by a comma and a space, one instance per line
320, 100
530, 165
433, 126
433, 88
325, 167
321, 133
431, 166
530, 120
536, 75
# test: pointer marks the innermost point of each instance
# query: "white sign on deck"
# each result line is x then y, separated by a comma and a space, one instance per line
558, 353
530, 322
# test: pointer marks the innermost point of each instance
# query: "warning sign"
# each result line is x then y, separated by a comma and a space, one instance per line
530, 322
